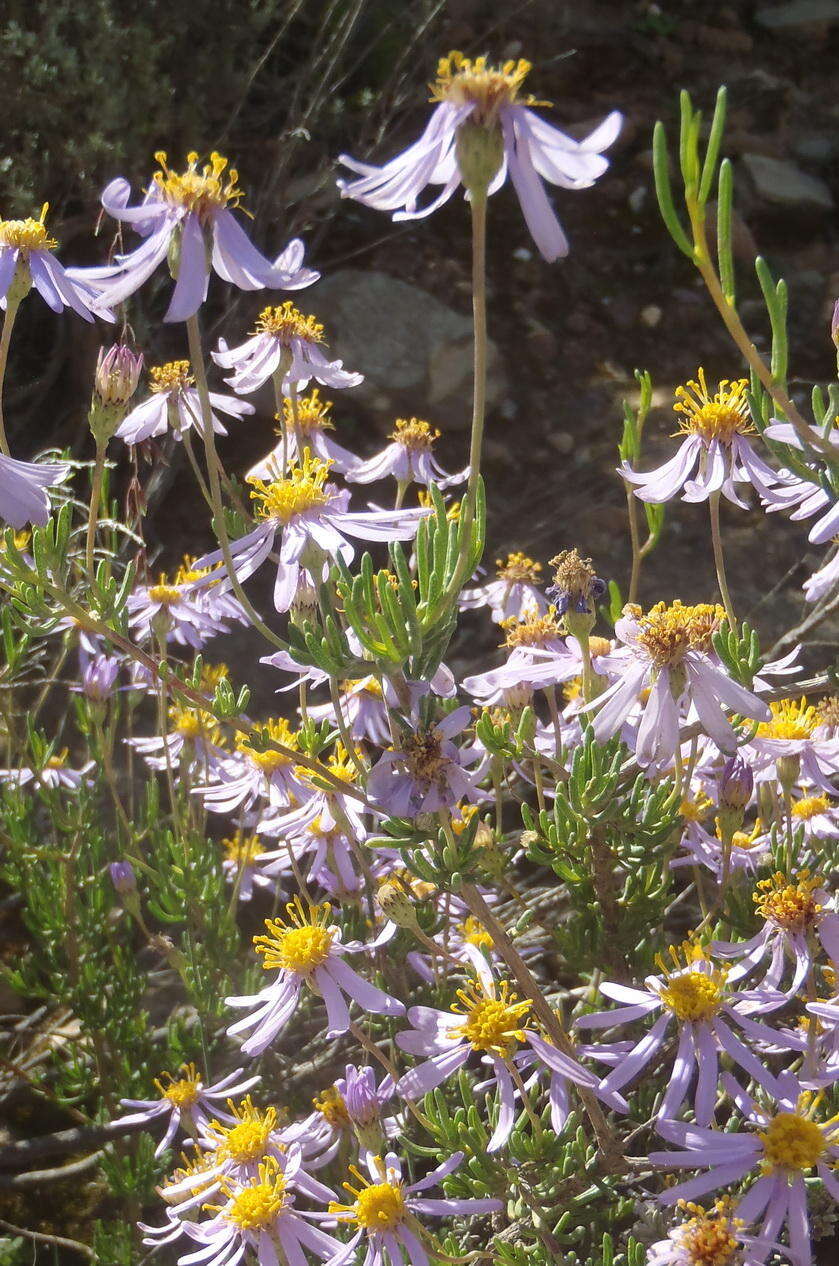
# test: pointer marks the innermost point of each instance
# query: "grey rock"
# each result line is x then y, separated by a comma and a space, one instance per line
816, 147
798, 13
414, 351
783, 184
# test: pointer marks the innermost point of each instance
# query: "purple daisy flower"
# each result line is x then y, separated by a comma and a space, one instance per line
692, 993
384, 1208
26, 258
305, 426
715, 453
513, 594
174, 405
314, 520
783, 1145
479, 121
426, 772
288, 341
190, 1104
712, 1235
190, 210
408, 459
307, 950
668, 651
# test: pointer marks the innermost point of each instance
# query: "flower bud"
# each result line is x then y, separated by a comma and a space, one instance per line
123, 877
98, 677
396, 903
360, 1096
736, 784
117, 374
788, 768
834, 325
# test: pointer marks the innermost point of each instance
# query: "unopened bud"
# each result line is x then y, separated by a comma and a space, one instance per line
736, 784
788, 768
359, 1091
396, 903
117, 374
123, 877
834, 325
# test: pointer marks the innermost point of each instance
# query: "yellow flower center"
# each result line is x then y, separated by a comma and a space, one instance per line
668, 633
423, 755
717, 417
518, 567
377, 1206
312, 414
242, 849
277, 730
58, 760
194, 723
810, 807
287, 322
465, 79
788, 904
708, 1239
201, 191
828, 711
330, 1104
694, 810
492, 1019
182, 1092
188, 574
535, 631
412, 433
369, 686
792, 1141
27, 234
689, 992
791, 719
301, 490
175, 375
473, 932
164, 593
300, 945
245, 1142
255, 1208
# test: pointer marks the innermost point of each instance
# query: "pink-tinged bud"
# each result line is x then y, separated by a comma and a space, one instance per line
834, 324
117, 374
123, 878
736, 784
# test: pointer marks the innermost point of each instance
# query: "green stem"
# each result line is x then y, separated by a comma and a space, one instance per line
5, 340
719, 561
95, 498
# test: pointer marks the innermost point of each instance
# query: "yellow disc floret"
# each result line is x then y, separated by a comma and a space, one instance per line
413, 433
242, 849
287, 322
792, 719
809, 807
257, 1206
301, 490
534, 630
793, 1141
330, 1104
667, 633
708, 1238
247, 1141
694, 988
377, 1206
718, 417
517, 568
182, 1092
201, 191
175, 375
29, 234
466, 80
493, 1017
302, 943
788, 902
276, 730
312, 414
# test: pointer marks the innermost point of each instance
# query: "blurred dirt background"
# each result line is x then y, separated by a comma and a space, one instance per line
282, 88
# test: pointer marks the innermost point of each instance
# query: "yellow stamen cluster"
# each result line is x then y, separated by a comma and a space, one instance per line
694, 810
182, 1092
175, 375
300, 944
493, 1017
788, 903
743, 839
708, 1238
690, 992
200, 191
366, 685
194, 723
29, 234
474, 933
330, 1104
165, 592
518, 567
718, 417
58, 760
791, 719
413, 433
301, 490
668, 633
828, 709
257, 1206
423, 755
242, 849
793, 1141
465, 79
246, 1142
535, 630
376, 1206
188, 574
809, 807
312, 414
287, 322
426, 502
277, 730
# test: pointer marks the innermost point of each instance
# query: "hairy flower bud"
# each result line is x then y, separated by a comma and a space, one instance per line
396, 903
117, 374
736, 784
